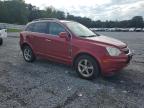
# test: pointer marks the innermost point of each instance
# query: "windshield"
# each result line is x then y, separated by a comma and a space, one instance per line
80, 30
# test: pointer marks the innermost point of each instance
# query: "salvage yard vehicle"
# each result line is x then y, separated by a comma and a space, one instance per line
3, 34
138, 29
72, 43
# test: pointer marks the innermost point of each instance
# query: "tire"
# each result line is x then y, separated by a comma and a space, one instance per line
1, 41
87, 67
28, 54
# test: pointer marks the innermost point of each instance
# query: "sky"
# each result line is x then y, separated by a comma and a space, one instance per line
96, 9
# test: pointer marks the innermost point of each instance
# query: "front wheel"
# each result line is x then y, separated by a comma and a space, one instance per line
1, 41
28, 54
87, 67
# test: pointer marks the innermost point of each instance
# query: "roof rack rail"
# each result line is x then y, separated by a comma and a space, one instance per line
45, 19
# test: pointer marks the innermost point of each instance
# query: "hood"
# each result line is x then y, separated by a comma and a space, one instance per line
108, 40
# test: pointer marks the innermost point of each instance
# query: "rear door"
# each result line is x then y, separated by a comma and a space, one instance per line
38, 37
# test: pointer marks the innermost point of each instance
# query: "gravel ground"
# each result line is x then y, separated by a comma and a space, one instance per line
45, 84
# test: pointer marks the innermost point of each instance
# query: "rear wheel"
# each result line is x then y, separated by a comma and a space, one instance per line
1, 41
28, 54
87, 67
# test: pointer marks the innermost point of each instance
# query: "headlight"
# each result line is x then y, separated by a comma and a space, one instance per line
113, 51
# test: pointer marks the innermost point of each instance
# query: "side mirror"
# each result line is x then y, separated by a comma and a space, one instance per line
64, 35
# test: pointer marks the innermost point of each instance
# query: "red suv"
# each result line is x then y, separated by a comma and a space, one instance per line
72, 43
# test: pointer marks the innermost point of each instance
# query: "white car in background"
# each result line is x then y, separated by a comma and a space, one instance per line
138, 29
3, 34
131, 29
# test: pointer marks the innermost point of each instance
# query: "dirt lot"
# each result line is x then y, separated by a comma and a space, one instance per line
45, 84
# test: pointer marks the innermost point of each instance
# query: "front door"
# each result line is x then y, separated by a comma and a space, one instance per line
59, 48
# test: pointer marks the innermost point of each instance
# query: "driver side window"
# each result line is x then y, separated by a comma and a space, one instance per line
55, 28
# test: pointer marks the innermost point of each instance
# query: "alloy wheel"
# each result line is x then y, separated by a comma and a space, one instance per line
85, 68
27, 54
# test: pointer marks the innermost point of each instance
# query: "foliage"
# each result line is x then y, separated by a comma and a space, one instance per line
17, 11
13, 11
14, 30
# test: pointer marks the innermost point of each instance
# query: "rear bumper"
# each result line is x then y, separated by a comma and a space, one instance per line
111, 66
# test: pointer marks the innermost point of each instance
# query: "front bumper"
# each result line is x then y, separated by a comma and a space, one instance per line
129, 58
111, 66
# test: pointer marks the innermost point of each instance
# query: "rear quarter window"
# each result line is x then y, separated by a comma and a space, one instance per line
30, 27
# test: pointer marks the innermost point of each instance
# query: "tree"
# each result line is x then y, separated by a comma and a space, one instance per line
137, 21
17, 11
34, 12
13, 11
60, 15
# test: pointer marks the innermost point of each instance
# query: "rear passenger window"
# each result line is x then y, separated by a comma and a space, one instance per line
55, 28
41, 27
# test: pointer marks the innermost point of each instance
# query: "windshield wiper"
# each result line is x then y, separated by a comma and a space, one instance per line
92, 36
89, 36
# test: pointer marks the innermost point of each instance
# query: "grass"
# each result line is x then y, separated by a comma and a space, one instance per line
14, 30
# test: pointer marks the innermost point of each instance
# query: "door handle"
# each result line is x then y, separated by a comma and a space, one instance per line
48, 40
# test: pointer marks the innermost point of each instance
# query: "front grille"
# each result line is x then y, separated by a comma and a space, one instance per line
125, 50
